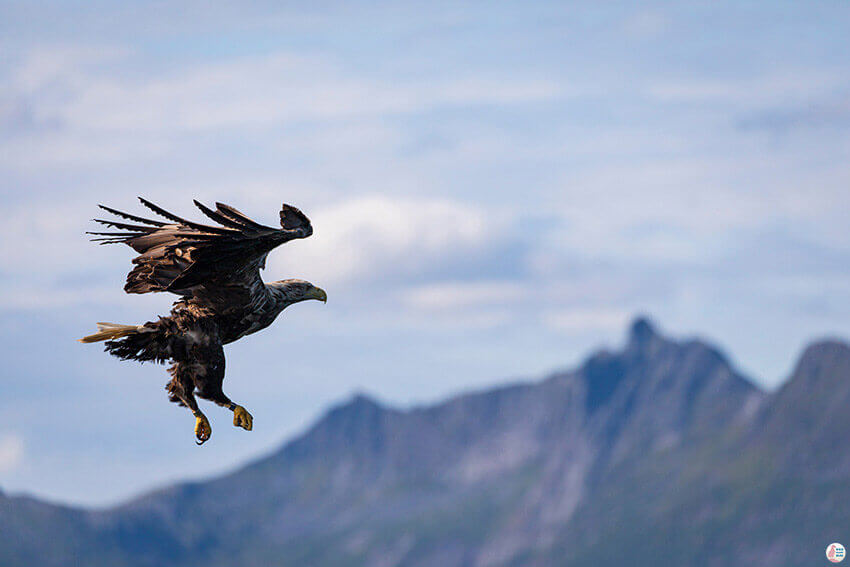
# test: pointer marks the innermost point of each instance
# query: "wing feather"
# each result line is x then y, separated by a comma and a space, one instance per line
238, 216
292, 218
171, 216
125, 226
220, 218
128, 216
219, 266
117, 234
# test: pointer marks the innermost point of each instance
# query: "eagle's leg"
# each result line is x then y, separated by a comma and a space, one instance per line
180, 389
209, 385
203, 429
241, 417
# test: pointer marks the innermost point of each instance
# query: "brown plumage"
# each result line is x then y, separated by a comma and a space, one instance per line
216, 271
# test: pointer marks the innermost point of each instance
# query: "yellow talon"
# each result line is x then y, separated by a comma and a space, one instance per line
202, 429
243, 419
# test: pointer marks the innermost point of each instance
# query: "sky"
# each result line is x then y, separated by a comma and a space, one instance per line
496, 189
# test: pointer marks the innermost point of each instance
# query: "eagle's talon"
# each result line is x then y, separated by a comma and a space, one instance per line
243, 419
202, 429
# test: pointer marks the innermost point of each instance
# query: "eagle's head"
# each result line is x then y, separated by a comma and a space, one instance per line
292, 291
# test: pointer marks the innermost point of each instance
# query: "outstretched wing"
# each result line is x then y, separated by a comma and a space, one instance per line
219, 264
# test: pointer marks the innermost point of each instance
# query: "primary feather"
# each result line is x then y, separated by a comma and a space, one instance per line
190, 258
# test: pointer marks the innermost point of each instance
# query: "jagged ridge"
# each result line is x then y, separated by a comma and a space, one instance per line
661, 447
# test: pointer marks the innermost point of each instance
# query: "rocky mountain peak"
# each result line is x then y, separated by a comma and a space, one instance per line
644, 339
641, 330
821, 357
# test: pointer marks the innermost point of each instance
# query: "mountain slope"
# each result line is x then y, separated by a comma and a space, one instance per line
661, 447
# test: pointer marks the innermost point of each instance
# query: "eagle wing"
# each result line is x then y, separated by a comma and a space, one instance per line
218, 265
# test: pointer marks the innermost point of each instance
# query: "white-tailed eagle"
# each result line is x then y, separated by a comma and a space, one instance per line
216, 271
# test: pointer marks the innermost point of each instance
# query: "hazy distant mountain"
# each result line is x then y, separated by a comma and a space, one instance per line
658, 454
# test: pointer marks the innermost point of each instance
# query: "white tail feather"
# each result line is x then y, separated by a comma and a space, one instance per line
111, 331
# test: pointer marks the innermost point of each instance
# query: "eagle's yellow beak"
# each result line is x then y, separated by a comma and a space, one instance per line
317, 293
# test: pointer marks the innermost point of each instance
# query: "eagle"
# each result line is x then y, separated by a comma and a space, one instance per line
216, 272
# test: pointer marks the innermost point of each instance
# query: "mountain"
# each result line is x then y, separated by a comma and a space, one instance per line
659, 453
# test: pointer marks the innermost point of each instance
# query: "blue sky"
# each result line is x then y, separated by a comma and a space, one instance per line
496, 189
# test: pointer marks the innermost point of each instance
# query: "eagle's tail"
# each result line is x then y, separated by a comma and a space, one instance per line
112, 331
150, 341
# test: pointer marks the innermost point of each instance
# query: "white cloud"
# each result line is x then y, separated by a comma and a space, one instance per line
44, 237
66, 108
584, 319
11, 452
467, 305
376, 237
677, 211
35, 152
35, 297
45, 67
460, 295
249, 92
759, 90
